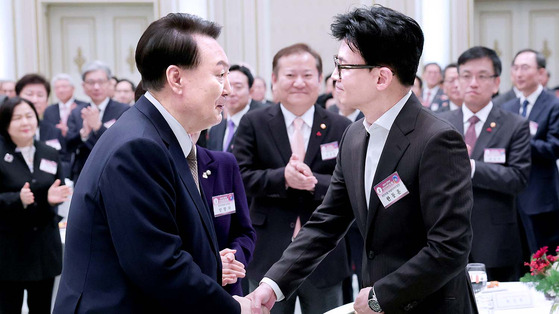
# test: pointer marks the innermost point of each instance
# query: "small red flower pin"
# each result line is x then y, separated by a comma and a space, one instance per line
489, 129
318, 133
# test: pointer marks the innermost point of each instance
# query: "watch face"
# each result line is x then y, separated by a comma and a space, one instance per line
373, 304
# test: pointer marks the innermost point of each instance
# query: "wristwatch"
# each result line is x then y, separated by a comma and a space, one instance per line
373, 302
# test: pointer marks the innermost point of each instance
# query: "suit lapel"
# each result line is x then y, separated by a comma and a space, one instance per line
394, 148
456, 118
279, 132
180, 162
538, 107
487, 133
108, 114
207, 181
313, 148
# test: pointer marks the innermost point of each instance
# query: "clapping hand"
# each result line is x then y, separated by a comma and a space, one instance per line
298, 175
232, 269
26, 195
58, 193
90, 116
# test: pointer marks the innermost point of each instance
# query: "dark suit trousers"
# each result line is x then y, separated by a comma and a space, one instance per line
313, 300
39, 296
541, 230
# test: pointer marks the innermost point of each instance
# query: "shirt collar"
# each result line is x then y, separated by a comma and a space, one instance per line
103, 105
183, 138
387, 119
533, 96
237, 116
67, 104
352, 116
482, 114
289, 116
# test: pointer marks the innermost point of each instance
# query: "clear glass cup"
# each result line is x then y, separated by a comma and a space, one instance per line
478, 276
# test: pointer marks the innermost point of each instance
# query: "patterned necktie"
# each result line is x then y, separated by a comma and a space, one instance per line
231, 130
524, 108
298, 143
193, 165
470, 138
426, 99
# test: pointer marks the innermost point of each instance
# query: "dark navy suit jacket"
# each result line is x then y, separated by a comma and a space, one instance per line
140, 238
542, 192
219, 174
74, 142
52, 113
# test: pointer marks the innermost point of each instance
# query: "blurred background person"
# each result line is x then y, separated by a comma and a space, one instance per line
124, 92
432, 78
452, 97
8, 88
36, 89
30, 190
417, 87
258, 91
353, 114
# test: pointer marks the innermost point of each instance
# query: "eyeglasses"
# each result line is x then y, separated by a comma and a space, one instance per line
341, 67
93, 82
479, 78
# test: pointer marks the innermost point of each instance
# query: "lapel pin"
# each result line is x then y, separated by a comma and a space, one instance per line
318, 133
489, 129
206, 174
8, 157
493, 124
323, 126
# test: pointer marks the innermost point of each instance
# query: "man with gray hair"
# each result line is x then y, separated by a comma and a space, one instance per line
87, 124
57, 113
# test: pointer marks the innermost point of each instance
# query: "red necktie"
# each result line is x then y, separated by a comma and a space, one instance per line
470, 138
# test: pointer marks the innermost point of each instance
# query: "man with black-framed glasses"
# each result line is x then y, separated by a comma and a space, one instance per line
402, 174
498, 142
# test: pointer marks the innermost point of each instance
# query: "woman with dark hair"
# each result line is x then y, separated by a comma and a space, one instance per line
30, 190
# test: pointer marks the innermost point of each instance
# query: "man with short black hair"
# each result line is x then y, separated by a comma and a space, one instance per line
222, 136
140, 237
452, 97
415, 218
538, 204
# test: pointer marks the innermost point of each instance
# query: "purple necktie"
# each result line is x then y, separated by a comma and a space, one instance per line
231, 130
470, 138
524, 107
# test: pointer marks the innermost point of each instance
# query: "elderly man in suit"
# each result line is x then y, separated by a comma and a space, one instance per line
414, 218
87, 124
500, 158
432, 78
287, 153
539, 203
221, 137
140, 237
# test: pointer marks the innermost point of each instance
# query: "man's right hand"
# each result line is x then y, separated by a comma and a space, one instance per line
245, 306
298, 175
262, 299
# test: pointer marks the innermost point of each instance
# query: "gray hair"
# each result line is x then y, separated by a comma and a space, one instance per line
62, 77
94, 66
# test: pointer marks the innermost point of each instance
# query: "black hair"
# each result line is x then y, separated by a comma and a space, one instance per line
295, 49
479, 52
245, 71
449, 66
383, 37
540, 58
7, 111
127, 81
32, 78
169, 41
420, 81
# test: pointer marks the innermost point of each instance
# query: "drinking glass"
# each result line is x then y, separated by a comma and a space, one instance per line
478, 276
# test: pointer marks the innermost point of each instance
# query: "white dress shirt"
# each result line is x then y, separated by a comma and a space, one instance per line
432, 92
183, 138
236, 118
307, 117
378, 133
531, 99
482, 115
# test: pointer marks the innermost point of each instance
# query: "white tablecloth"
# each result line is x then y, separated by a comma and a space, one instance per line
539, 304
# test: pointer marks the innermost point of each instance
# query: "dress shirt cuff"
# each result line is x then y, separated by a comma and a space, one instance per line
275, 287
473, 164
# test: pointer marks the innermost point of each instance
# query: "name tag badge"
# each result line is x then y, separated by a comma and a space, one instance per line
533, 128
329, 150
494, 155
224, 204
109, 123
54, 143
391, 190
48, 166
8, 157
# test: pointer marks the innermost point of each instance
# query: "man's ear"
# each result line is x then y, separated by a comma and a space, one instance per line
173, 75
385, 77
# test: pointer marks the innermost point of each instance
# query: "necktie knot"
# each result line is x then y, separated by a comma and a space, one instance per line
297, 140
298, 123
473, 120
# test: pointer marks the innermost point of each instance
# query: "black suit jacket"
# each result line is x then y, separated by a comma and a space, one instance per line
140, 238
52, 113
217, 132
262, 149
74, 142
496, 241
29, 238
416, 250
542, 192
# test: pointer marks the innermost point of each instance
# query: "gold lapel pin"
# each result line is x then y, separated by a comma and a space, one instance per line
493, 124
323, 126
